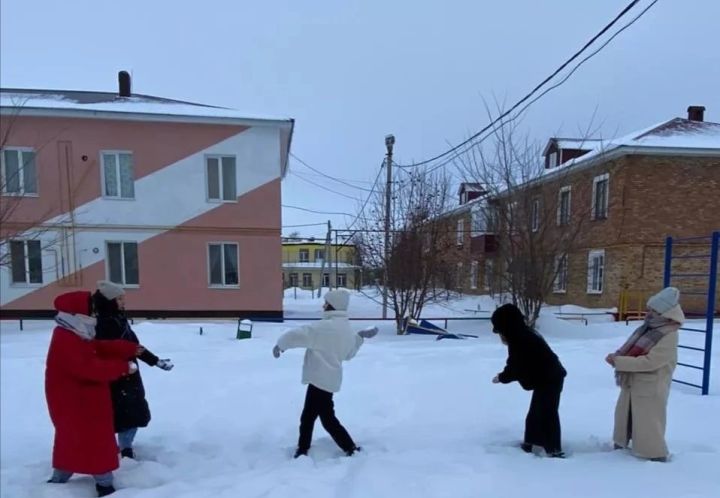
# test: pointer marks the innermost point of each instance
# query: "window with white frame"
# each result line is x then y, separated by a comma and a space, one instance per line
319, 254
535, 215
564, 205
560, 282
488, 277
118, 176
477, 221
326, 280
293, 280
122, 263
459, 275
221, 178
26, 262
552, 159
307, 280
304, 255
459, 236
596, 271
223, 264
341, 280
18, 172
474, 275
600, 197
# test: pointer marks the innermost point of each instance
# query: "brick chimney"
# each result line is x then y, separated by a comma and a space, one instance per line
696, 113
124, 84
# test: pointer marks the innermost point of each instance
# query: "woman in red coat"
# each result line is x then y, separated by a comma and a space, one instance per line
77, 387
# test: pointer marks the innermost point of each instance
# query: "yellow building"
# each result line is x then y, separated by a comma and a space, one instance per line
305, 265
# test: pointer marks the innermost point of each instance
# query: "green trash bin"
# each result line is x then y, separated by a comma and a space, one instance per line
244, 329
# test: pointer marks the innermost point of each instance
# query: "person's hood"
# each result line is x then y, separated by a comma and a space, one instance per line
74, 303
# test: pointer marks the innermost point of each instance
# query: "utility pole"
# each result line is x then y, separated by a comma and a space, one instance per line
324, 260
389, 143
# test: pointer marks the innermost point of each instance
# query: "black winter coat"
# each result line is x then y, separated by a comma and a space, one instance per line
130, 408
530, 360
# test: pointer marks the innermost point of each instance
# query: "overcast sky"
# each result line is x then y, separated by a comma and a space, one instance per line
351, 71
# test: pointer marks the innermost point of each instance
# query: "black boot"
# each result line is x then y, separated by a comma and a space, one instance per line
353, 450
299, 453
128, 453
104, 490
555, 454
526, 447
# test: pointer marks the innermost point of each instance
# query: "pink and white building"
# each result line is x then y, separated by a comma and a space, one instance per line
179, 202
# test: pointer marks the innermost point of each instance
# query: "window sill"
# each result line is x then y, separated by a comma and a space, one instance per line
111, 198
19, 194
222, 201
560, 292
594, 292
223, 287
130, 286
25, 285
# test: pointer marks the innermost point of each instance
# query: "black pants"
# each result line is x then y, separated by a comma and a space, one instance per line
542, 424
319, 403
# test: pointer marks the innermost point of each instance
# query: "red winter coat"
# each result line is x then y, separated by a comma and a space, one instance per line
77, 387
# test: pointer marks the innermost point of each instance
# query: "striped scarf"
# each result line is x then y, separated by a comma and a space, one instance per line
645, 337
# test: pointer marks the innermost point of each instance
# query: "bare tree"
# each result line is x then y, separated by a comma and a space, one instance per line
415, 263
536, 225
19, 178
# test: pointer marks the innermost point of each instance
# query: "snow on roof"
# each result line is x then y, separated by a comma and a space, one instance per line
674, 134
471, 187
314, 242
681, 133
571, 143
577, 143
69, 100
316, 265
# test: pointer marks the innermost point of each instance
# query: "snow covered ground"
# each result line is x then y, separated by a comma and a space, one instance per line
430, 421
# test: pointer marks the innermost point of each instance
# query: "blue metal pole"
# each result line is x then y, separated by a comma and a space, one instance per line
668, 261
712, 289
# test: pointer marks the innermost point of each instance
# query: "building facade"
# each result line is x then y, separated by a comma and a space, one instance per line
178, 202
306, 264
626, 196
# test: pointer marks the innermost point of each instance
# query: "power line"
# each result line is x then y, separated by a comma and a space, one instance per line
324, 187
372, 191
547, 90
339, 180
534, 90
305, 225
316, 212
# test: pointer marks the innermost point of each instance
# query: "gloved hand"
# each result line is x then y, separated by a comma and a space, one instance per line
132, 367
277, 351
166, 364
368, 332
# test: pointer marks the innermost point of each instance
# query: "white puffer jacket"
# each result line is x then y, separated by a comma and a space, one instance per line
329, 342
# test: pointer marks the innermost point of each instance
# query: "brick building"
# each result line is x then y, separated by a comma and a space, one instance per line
626, 196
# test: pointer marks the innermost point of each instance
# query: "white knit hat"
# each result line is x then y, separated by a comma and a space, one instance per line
338, 299
110, 290
665, 300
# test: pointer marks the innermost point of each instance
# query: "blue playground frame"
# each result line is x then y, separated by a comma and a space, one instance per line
712, 276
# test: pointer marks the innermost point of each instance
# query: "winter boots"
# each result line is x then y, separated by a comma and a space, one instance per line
128, 453
104, 490
352, 451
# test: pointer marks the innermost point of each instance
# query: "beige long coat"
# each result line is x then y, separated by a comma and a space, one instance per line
641, 411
